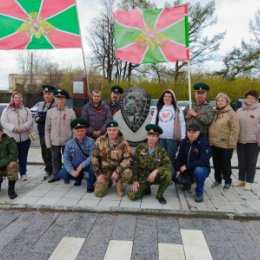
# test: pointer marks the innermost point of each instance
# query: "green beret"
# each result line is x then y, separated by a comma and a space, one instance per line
48, 88
112, 123
117, 89
153, 129
61, 93
79, 123
200, 86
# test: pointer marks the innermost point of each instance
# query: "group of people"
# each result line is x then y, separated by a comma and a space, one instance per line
179, 143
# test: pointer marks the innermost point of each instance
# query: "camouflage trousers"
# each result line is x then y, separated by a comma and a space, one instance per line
10, 171
101, 189
164, 180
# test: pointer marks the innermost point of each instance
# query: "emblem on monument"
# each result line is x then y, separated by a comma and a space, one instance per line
135, 104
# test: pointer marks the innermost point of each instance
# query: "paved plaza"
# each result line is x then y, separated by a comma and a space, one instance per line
38, 194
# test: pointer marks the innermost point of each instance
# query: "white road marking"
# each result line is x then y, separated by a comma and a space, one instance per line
170, 252
195, 245
67, 249
119, 250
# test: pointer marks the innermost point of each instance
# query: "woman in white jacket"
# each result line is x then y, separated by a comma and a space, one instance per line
16, 120
171, 119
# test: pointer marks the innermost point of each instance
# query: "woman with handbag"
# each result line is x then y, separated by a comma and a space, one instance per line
170, 118
17, 120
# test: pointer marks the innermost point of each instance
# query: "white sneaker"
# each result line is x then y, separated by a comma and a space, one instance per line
238, 183
248, 186
24, 178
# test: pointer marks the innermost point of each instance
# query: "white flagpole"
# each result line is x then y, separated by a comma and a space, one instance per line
82, 48
189, 83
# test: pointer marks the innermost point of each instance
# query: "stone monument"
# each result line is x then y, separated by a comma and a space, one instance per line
134, 115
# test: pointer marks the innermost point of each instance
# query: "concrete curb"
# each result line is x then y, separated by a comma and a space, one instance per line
123, 211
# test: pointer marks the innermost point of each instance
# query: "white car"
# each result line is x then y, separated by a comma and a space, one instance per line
34, 109
182, 104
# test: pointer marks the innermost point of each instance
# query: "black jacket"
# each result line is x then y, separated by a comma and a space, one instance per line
193, 154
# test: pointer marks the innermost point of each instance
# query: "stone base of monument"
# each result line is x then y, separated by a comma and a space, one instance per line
134, 138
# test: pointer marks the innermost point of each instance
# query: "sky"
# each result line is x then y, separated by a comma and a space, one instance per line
233, 18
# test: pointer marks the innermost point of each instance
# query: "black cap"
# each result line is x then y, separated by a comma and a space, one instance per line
117, 89
48, 88
79, 123
153, 129
193, 127
112, 123
201, 87
61, 93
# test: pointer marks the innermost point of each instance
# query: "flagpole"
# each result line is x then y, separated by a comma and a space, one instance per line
82, 48
189, 83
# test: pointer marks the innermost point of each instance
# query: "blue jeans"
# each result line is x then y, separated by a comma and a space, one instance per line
200, 174
63, 174
170, 146
23, 148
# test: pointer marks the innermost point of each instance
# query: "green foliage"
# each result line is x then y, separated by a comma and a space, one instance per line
234, 89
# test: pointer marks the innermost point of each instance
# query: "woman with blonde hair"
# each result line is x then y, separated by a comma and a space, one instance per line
16, 120
249, 139
223, 135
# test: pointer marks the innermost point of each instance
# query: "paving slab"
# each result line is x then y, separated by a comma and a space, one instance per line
38, 194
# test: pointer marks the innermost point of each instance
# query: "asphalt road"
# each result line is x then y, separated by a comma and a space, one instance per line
34, 235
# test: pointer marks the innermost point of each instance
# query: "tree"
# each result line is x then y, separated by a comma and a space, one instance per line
245, 59
102, 43
254, 26
201, 47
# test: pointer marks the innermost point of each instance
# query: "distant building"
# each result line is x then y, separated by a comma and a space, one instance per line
23, 83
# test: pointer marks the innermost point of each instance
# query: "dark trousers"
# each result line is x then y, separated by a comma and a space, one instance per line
247, 158
91, 178
23, 148
46, 155
56, 154
222, 164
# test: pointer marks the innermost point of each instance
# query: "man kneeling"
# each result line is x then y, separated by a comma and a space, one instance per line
193, 159
151, 165
77, 156
8, 162
111, 159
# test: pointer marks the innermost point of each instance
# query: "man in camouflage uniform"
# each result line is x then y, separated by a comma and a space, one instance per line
8, 162
151, 165
111, 159
201, 112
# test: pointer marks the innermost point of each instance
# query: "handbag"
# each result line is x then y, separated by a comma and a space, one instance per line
32, 134
185, 178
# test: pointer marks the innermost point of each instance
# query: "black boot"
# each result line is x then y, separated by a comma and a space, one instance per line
78, 179
11, 191
1, 180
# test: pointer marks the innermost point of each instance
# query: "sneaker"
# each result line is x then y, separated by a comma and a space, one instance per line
199, 198
24, 178
238, 183
90, 189
227, 186
248, 186
54, 179
215, 184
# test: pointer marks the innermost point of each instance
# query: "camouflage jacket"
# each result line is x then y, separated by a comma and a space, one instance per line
109, 157
8, 151
205, 116
144, 163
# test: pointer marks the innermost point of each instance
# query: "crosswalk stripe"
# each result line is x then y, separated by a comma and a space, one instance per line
118, 250
195, 245
170, 252
67, 249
